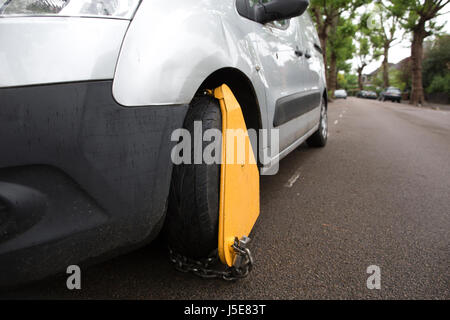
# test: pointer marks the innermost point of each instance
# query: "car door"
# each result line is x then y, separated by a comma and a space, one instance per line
314, 68
279, 50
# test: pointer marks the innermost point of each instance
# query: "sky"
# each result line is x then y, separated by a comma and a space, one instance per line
402, 47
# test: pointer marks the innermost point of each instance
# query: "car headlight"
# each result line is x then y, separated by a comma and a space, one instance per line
121, 9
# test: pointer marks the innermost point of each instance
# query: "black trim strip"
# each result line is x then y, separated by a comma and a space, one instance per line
295, 105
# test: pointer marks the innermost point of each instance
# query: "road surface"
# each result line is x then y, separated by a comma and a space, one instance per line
378, 194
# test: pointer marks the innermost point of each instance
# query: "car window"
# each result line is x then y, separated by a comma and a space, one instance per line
311, 28
308, 31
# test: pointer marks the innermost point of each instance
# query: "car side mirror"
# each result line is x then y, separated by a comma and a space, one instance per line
273, 10
280, 10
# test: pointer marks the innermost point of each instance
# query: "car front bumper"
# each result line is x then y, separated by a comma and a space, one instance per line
80, 175
395, 98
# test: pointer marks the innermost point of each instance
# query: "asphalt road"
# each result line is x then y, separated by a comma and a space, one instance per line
378, 194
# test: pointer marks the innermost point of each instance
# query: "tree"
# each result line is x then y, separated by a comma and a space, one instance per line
418, 17
440, 84
396, 79
341, 49
405, 74
326, 15
347, 81
362, 56
437, 60
368, 47
383, 25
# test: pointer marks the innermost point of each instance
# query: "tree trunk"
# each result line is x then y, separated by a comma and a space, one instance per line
360, 75
386, 67
330, 22
332, 74
417, 94
360, 82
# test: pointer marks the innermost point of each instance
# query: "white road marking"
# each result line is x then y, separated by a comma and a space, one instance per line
340, 116
293, 179
336, 122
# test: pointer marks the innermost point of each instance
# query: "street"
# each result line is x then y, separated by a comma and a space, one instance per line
378, 194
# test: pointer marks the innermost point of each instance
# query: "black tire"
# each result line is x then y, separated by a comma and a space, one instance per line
320, 137
192, 219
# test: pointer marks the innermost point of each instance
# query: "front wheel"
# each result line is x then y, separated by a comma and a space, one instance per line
192, 220
320, 137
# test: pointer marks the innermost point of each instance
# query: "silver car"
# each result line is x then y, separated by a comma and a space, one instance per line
90, 93
340, 94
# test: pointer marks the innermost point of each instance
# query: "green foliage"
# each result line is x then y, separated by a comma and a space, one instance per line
437, 60
436, 66
378, 80
373, 88
340, 5
396, 79
440, 84
364, 47
341, 44
412, 13
347, 81
334, 31
369, 40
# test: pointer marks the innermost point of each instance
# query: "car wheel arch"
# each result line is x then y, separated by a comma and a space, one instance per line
242, 88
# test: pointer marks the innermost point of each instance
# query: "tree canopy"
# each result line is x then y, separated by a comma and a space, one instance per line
365, 30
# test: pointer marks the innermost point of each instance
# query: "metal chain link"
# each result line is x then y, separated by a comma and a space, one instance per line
211, 268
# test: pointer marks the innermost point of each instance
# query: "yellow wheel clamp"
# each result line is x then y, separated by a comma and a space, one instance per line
239, 180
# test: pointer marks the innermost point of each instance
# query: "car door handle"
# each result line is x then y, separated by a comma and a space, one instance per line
298, 53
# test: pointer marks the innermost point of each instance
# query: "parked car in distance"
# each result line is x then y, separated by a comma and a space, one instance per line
361, 94
371, 95
391, 94
340, 94
367, 94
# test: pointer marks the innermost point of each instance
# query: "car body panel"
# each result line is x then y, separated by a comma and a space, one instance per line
200, 37
195, 45
282, 71
40, 50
